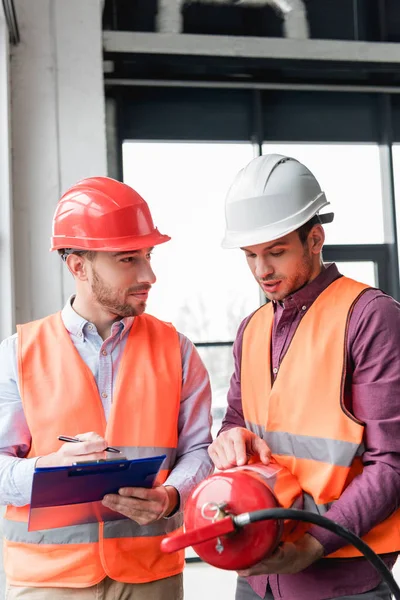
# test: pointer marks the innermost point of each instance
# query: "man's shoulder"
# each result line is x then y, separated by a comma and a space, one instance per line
159, 329
28, 332
8, 357
375, 314
245, 322
43, 320
366, 300
265, 308
9, 342
155, 321
375, 300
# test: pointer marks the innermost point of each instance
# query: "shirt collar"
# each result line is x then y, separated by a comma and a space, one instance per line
80, 327
303, 298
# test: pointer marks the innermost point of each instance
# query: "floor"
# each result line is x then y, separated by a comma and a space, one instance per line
203, 582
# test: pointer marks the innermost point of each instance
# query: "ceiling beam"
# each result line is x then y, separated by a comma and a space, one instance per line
251, 85
182, 44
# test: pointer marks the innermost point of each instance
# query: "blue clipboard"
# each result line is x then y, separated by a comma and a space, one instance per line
64, 496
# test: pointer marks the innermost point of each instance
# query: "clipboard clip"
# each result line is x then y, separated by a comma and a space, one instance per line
94, 467
99, 461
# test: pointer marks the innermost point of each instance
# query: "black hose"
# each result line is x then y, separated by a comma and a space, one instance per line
349, 536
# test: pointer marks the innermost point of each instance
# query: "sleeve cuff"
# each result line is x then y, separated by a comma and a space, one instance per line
22, 476
329, 541
177, 507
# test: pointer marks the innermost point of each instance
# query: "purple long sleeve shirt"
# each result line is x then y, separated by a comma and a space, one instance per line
372, 394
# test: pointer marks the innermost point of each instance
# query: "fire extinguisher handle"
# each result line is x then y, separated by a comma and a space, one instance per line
172, 543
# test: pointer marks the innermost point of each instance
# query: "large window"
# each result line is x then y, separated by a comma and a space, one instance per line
204, 290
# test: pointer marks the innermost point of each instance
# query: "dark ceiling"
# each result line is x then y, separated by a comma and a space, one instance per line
361, 20
369, 20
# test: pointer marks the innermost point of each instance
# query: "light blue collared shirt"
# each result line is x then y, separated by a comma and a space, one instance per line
103, 358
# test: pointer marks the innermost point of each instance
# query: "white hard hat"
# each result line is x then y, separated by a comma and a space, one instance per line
271, 197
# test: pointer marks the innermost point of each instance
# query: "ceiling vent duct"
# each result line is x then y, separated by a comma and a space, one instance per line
293, 12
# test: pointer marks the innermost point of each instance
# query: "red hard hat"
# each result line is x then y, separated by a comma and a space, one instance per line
103, 214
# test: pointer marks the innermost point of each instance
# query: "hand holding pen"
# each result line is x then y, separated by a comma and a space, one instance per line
66, 438
87, 447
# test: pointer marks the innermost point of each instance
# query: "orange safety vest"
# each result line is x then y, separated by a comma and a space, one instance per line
301, 415
60, 396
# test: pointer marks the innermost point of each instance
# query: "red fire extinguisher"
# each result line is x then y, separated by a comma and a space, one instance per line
210, 528
237, 517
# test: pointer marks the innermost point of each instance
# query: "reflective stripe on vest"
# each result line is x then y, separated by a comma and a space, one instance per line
301, 415
334, 452
17, 531
143, 422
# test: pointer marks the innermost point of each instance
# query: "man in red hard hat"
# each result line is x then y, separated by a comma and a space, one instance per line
108, 374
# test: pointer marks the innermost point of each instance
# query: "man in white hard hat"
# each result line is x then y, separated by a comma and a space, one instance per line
316, 388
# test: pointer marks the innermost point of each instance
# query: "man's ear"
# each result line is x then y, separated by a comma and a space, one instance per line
316, 239
77, 266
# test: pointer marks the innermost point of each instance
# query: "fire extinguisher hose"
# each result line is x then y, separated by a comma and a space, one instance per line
308, 517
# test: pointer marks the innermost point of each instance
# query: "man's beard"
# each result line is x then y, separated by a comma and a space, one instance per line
105, 296
296, 282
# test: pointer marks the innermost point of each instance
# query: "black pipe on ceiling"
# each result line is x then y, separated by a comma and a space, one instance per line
11, 20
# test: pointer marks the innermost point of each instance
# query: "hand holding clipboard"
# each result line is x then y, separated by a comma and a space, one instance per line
72, 495
67, 491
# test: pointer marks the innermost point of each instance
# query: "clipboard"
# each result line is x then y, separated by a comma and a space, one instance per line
72, 495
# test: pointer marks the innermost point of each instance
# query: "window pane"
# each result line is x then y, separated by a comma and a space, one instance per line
363, 270
349, 174
396, 176
219, 363
204, 290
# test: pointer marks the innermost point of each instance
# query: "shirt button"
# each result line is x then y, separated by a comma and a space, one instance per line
304, 307
90, 326
275, 370
104, 352
104, 395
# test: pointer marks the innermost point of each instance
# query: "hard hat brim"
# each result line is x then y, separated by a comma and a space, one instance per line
326, 218
124, 244
264, 235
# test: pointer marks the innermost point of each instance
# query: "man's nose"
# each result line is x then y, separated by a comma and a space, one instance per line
146, 273
263, 269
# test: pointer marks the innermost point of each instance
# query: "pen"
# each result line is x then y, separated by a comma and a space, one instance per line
66, 438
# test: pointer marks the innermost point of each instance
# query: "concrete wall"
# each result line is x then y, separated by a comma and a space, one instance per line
53, 135
58, 135
6, 246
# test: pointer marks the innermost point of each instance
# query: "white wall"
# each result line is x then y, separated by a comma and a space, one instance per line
58, 135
